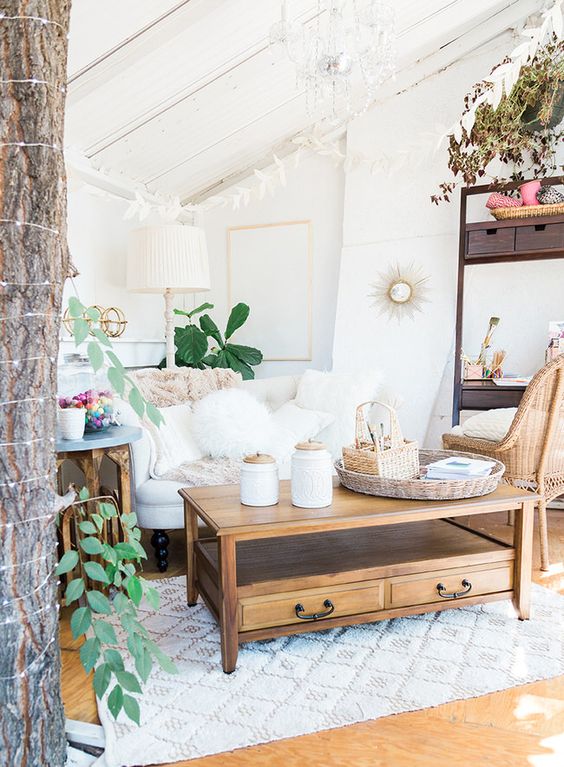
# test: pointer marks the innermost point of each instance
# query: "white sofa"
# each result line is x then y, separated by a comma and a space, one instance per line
157, 503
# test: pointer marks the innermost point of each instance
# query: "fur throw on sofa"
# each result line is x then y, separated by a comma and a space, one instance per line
174, 386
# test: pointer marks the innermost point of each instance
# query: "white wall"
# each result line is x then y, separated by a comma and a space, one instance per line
98, 243
390, 219
314, 191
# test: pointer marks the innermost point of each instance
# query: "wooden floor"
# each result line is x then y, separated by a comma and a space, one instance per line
521, 726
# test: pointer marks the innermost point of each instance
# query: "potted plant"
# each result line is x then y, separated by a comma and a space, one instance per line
516, 123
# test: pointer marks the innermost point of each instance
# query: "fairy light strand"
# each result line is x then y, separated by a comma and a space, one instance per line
27, 442
46, 284
18, 223
31, 593
26, 315
41, 19
26, 562
26, 399
16, 362
33, 662
14, 483
35, 612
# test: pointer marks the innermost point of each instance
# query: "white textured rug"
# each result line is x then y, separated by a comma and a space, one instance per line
296, 685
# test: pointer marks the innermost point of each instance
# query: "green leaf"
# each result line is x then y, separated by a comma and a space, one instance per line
99, 602
80, 331
126, 551
74, 590
197, 310
98, 521
68, 562
95, 355
91, 545
115, 701
102, 677
107, 509
76, 309
116, 362
247, 354
121, 603
152, 596
117, 380
210, 328
137, 402
129, 520
131, 625
128, 681
217, 360
131, 708
238, 366
87, 527
140, 552
109, 554
92, 313
81, 621
105, 632
144, 664
95, 571
154, 414
135, 645
136, 534
84, 494
238, 317
89, 653
191, 344
134, 589
162, 659
101, 336
114, 660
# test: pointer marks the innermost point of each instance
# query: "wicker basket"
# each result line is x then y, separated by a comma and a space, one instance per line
419, 488
400, 460
528, 211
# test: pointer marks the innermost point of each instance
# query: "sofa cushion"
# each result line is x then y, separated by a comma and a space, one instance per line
301, 422
273, 392
172, 442
491, 425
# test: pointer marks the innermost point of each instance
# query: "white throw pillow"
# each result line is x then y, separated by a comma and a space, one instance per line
338, 394
303, 423
172, 444
492, 425
230, 424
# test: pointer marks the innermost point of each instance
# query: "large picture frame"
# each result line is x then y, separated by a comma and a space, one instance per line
270, 268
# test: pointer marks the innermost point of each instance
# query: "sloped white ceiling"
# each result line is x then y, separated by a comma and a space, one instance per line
181, 94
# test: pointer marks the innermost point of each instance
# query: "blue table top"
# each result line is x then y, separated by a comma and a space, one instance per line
112, 437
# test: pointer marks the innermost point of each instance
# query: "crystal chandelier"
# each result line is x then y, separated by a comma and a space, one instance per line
349, 46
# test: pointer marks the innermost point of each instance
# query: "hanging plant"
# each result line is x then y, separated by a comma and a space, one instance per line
514, 115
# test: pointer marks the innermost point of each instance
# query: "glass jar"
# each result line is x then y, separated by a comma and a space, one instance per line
79, 386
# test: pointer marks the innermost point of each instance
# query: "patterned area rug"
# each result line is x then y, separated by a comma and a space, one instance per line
297, 685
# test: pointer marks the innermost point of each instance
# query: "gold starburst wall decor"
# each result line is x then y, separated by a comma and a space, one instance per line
400, 291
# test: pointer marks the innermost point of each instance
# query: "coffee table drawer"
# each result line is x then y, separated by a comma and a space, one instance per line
422, 589
283, 609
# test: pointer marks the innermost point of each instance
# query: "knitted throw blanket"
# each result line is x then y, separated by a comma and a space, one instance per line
174, 386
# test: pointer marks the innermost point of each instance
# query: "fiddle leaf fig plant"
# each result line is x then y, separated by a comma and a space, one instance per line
192, 342
107, 583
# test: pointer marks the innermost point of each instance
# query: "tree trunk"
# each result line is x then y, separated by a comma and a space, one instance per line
33, 265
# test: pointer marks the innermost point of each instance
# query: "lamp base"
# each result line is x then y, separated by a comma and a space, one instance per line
169, 329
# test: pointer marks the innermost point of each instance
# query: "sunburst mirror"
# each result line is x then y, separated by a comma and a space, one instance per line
400, 291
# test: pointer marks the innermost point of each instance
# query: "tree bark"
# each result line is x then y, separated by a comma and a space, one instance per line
33, 265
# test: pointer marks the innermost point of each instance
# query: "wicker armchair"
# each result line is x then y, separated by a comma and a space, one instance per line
533, 448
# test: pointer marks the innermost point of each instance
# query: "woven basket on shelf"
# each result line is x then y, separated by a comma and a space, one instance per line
528, 211
399, 460
422, 489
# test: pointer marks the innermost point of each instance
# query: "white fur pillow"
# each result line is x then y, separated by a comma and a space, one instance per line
338, 394
230, 424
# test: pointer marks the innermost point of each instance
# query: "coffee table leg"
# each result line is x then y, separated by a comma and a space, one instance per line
228, 602
523, 538
191, 532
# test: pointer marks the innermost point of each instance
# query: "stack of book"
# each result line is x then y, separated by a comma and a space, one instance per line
458, 467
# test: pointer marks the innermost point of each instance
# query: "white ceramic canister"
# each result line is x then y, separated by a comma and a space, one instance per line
71, 422
259, 480
312, 476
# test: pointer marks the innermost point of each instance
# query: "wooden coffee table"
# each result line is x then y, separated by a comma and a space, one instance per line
282, 570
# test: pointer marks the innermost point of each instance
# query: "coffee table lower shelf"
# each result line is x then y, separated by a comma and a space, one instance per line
317, 581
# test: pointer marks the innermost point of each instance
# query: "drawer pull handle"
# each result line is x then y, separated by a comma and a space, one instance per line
441, 588
315, 616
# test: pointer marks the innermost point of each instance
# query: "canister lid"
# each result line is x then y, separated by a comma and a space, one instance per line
258, 458
311, 444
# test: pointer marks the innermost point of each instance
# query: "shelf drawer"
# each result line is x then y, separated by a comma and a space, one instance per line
280, 609
422, 589
490, 240
485, 399
539, 237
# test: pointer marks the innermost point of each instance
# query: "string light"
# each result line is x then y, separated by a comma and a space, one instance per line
27, 441
16, 222
41, 19
35, 612
34, 81
30, 519
26, 562
33, 662
27, 314
37, 143
14, 483
4, 284
27, 399
31, 593
15, 363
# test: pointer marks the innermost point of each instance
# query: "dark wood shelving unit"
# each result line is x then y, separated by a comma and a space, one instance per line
491, 242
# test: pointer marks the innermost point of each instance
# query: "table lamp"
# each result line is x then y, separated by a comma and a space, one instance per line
168, 259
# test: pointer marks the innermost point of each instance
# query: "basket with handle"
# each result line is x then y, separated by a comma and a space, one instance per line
392, 457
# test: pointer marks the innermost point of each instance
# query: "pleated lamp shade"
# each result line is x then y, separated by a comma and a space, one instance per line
170, 258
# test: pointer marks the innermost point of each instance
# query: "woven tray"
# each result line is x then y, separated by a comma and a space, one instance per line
421, 489
528, 211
